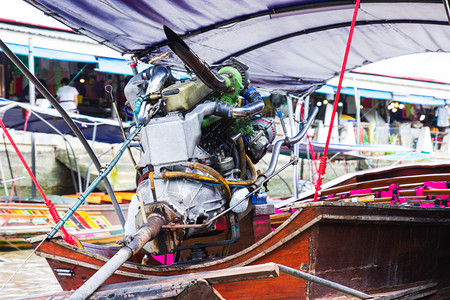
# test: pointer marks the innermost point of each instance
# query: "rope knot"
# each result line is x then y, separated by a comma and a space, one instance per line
323, 165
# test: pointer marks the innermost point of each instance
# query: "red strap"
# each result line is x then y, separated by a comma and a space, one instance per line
323, 160
69, 239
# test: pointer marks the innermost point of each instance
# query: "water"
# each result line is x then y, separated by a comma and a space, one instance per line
34, 278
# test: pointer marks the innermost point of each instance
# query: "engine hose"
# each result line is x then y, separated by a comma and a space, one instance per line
242, 155
252, 170
184, 175
215, 174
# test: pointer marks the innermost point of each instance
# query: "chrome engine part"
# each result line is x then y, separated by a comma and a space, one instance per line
264, 134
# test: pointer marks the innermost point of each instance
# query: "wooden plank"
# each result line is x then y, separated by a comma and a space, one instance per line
267, 270
191, 289
278, 219
182, 289
167, 287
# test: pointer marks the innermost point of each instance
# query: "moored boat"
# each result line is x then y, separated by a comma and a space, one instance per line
95, 222
364, 246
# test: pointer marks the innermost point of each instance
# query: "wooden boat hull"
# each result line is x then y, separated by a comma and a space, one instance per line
364, 246
96, 224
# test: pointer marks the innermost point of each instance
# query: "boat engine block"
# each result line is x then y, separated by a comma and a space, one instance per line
199, 132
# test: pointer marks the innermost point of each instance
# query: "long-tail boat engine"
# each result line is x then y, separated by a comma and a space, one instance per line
199, 140
198, 149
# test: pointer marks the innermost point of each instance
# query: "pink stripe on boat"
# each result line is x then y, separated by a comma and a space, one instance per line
361, 191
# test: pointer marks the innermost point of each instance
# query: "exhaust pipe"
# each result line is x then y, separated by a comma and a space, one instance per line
193, 62
145, 234
213, 81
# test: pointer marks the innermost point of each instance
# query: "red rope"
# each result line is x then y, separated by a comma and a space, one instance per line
323, 160
67, 238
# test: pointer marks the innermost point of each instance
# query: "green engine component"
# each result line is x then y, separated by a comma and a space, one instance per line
230, 95
243, 126
234, 84
189, 94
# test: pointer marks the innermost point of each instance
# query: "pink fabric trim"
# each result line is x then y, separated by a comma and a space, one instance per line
435, 185
386, 194
393, 187
419, 191
361, 191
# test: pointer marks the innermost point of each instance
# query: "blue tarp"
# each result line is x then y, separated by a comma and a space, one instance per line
121, 66
52, 54
383, 95
117, 66
289, 45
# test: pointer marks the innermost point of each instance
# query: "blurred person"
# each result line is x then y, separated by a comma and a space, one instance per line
442, 114
68, 96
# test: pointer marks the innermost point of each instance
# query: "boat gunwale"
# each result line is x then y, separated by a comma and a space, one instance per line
318, 216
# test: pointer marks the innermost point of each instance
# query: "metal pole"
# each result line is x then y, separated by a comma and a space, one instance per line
32, 99
33, 164
308, 154
88, 172
3, 178
358, 112
358, 119
31, 92
330, 284
306, 105
294, 132
69, 122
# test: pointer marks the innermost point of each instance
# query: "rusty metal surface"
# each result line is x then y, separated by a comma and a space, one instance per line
168, 240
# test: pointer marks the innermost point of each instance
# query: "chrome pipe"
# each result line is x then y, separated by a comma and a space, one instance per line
278, 144
159, 76
247, 110
330, 284
305, 128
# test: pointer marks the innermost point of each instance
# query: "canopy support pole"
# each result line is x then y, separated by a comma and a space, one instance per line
294, 132
32, 99
88, 171
69, 122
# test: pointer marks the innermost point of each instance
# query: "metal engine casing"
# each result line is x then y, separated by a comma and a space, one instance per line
194, 200
171, 139
264, 134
